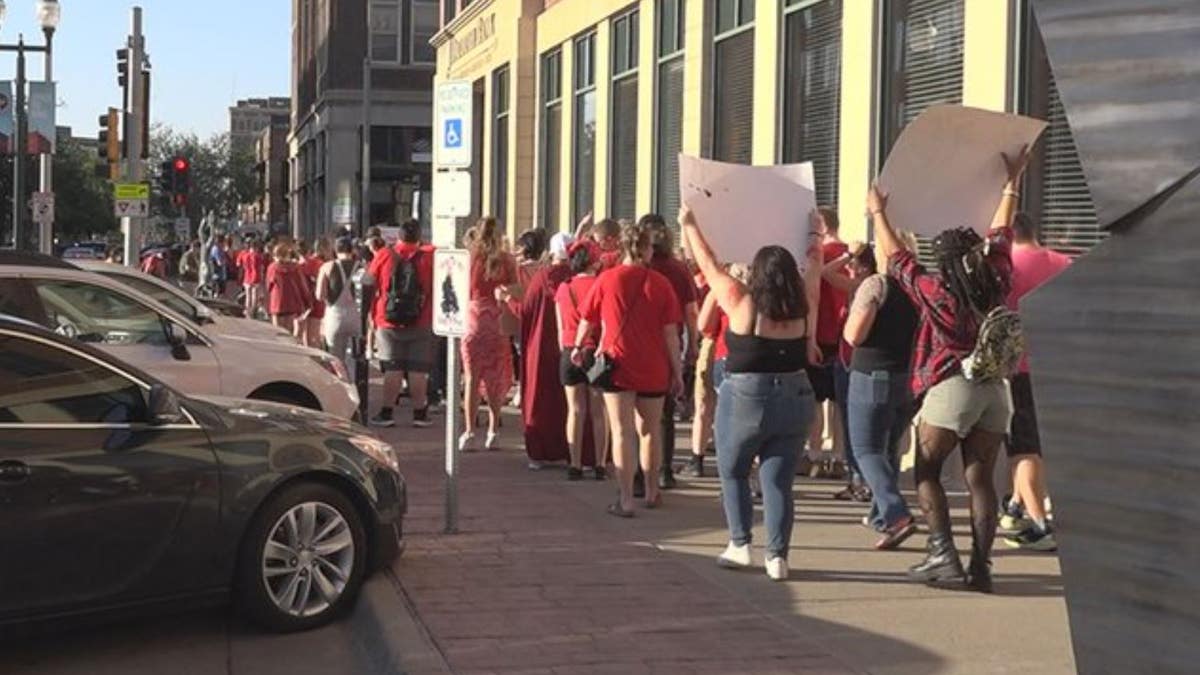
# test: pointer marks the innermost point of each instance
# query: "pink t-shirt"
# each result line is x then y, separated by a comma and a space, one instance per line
1032, 267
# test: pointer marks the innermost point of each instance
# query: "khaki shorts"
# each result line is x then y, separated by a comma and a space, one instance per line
704, 365
962, 406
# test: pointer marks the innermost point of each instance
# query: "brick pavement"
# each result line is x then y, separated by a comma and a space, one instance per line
541, 580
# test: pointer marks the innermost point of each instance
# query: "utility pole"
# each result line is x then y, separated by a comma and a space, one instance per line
20, 138
46, 238
135, 168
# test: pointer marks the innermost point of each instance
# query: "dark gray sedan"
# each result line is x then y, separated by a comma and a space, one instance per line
118, 493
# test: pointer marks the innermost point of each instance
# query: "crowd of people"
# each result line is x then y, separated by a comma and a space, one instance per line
606, 336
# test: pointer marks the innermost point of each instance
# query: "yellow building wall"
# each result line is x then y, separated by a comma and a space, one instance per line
696, 104
647, 72
857, 135
767, 47
987, 46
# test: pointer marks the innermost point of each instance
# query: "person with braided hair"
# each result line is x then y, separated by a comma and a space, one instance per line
973, 277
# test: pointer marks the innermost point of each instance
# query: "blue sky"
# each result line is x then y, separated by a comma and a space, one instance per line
205, 54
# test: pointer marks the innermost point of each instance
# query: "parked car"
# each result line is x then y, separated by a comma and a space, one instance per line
193, 358
120, 492
177, 299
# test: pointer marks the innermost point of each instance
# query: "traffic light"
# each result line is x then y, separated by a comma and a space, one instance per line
183, 180
166, 178
108, 145
122, 68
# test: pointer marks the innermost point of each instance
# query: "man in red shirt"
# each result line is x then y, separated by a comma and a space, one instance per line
1025, 514
665, 263
830, 320
405, 351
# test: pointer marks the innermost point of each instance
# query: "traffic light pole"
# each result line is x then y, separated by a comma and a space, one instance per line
46, 232
135, 169
20, 138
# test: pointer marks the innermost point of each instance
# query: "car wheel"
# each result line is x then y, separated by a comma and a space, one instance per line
293, 396
303, 558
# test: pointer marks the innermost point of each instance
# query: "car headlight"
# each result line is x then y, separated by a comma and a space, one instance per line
334, 366
377, 450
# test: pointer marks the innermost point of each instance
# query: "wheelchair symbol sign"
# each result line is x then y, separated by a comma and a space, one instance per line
453, 135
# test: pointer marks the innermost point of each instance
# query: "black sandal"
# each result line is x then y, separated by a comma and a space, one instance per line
615, 509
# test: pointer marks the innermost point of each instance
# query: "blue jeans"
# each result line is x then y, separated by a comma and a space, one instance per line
764, 416
881, 407
841, 392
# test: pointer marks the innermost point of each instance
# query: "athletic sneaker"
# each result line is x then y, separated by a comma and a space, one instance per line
1013, 520
1033, 538
421, 418
777, 569
383, 419
735, 557
694, 468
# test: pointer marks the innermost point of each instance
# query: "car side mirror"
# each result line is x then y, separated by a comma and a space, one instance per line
177, 338
163, 406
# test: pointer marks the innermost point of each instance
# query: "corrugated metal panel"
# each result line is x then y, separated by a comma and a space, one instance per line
1068, 218
624, 148
812, 92
669, 136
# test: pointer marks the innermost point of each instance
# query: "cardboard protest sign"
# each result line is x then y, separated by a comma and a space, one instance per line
946, 171
742, 208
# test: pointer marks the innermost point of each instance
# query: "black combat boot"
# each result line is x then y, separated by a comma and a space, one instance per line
941, 564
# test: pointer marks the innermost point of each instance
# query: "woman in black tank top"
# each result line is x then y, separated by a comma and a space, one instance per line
765, 403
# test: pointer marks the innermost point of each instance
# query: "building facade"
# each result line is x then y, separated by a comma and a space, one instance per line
331, 40
584, 106
271, 173
249, 117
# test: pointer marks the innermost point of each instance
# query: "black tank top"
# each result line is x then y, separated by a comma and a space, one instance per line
757, 354
889, 344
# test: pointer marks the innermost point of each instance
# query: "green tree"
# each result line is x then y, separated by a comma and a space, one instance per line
221, 179
83, 205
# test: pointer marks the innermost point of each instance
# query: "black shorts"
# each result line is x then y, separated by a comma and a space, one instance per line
570, 374
821, 375
614, 389
1023, 438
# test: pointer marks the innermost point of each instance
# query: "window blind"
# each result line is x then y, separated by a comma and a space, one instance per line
624, 148
733, 89
669, 137
812, 92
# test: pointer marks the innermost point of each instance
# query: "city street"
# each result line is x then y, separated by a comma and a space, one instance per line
540, 580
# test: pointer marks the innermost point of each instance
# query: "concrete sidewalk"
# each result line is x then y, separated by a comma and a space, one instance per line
540, 579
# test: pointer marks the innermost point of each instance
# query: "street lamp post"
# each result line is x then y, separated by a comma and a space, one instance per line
48, 14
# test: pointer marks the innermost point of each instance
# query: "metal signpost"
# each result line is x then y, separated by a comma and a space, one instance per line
453, 146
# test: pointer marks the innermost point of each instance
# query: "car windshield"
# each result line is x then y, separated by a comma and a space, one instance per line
96, 314
166, 296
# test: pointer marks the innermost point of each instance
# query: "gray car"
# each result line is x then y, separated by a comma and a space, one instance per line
119, 493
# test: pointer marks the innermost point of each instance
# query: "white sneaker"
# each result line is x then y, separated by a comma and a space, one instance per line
466, 442
777, 569
735, 557
492, 441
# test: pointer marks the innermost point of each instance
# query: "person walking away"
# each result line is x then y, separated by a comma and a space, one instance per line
639, 317
585, 403
881, 324
312, 258
665, 263
189, 266
486, 355
342, 322
543, 406
288, 295
531, 259
218, 260
962, 403
708, 321
765, 404
402, 313
821, 374
253, 273
1025, 514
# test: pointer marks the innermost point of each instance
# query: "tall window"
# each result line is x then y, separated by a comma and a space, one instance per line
551, 136
500, 93
923, 66
422, 26
669, 120
401, 30
385, 30
584, 162
733, 81
923, 49
1056, 193
624, 117
812, 90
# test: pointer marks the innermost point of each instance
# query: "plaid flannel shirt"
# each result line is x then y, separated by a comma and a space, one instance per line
940, 345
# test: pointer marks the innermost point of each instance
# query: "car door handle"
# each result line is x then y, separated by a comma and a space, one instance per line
14, 472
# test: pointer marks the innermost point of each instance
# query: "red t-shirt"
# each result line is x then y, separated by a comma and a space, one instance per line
381, 270
483, 288
645, 301
610, 259
288, 291
254, 265
569, 297
721, 348
680, 277
831, 313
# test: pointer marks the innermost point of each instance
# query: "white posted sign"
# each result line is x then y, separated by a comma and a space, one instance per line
43, 207
451, 194
452, 126
451, 291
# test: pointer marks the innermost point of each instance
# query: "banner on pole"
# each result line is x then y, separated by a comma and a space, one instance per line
42, 104
6, 116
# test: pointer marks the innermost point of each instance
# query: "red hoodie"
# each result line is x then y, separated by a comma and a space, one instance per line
288, 290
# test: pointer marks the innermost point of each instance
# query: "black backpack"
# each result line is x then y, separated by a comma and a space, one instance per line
405, 296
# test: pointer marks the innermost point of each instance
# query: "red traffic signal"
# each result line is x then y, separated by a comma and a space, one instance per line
181, 164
